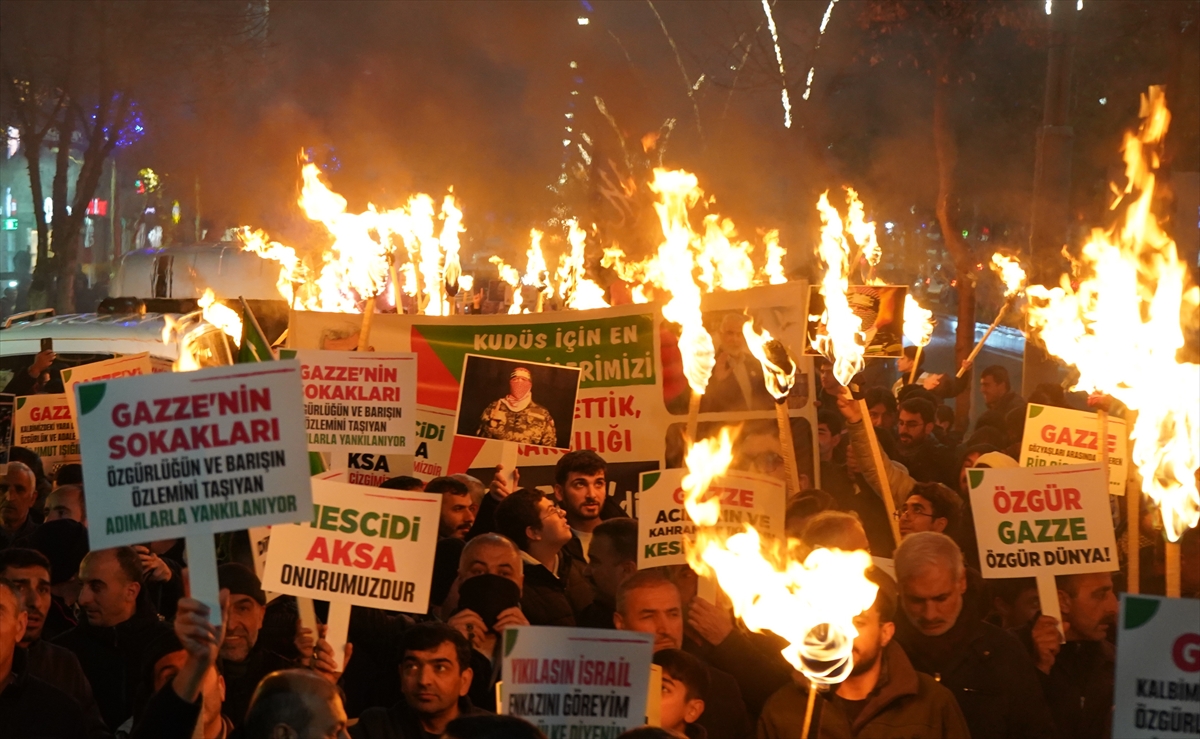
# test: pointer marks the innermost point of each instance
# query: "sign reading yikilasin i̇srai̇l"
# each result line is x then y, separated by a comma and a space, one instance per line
181, 454
1042, 521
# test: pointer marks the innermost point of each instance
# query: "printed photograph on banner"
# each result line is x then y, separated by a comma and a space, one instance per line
187, 453
881, 308
1058, 436
568, 679
360, 545
737, 394
42, 424
363, 402
524, 402
1042, 521
1158, 667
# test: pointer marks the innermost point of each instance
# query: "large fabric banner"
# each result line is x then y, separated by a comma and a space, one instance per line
632, 397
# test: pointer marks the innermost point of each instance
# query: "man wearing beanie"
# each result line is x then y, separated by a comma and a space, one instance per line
244, 662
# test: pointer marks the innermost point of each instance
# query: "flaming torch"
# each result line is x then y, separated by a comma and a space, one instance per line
810, 604
678, 191
1013, 276
779, 375
918, 329
1121, 327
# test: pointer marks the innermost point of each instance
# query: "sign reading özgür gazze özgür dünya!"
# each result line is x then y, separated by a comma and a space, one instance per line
1042, 521
182, 453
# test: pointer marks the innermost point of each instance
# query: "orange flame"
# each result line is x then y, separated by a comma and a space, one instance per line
779, 371
220, 315
1011, 273
843, 341
811, 605
1122, 329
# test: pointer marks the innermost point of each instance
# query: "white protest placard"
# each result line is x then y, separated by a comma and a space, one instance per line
181, 454
1157, 687
363, 546
42, 423
1034, 521
573, 682
364, 402
663, 523
1057, 436
130, 365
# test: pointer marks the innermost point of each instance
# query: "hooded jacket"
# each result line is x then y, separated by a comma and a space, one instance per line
905, 704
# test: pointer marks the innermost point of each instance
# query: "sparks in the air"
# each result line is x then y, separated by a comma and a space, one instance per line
813, 69
783, 93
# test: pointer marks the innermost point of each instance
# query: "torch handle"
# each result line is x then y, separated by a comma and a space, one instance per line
786, 445
364, 333
1172, 570
912, 376
885, 487
979, 347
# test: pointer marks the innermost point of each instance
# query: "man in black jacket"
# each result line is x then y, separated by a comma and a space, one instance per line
651, 604
989, 673
435, 676
1077, 675
113, 639
29, 570
29, 707
554, 588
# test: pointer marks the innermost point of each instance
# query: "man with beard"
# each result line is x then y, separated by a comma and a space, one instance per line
458, 513
515, 417
29, 570
581, 488
918, 450
992, 678
435, 676
1077, 676
612, 559
244, 662
883, 696
113, 639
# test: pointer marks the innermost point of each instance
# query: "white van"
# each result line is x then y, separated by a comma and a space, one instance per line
183, 272
81, 338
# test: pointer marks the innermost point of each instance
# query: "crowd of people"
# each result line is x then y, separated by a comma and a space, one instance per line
107, 643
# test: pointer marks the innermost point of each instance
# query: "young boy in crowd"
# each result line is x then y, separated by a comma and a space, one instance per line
684, 687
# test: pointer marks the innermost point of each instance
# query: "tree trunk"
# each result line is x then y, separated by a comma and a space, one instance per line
33, 155
945, 143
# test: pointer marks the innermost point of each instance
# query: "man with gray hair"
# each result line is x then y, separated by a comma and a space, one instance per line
18, 493
990, 674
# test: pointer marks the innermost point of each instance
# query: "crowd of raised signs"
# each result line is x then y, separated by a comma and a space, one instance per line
108, 643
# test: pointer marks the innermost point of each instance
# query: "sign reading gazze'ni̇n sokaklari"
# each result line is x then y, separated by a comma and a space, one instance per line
1057, 436
664, 524
178, 454
1157, 686
362, 401
1042, 521
360, 545
576, 682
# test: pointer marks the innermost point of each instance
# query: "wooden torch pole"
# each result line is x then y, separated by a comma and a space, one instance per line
364, 332
885, 487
